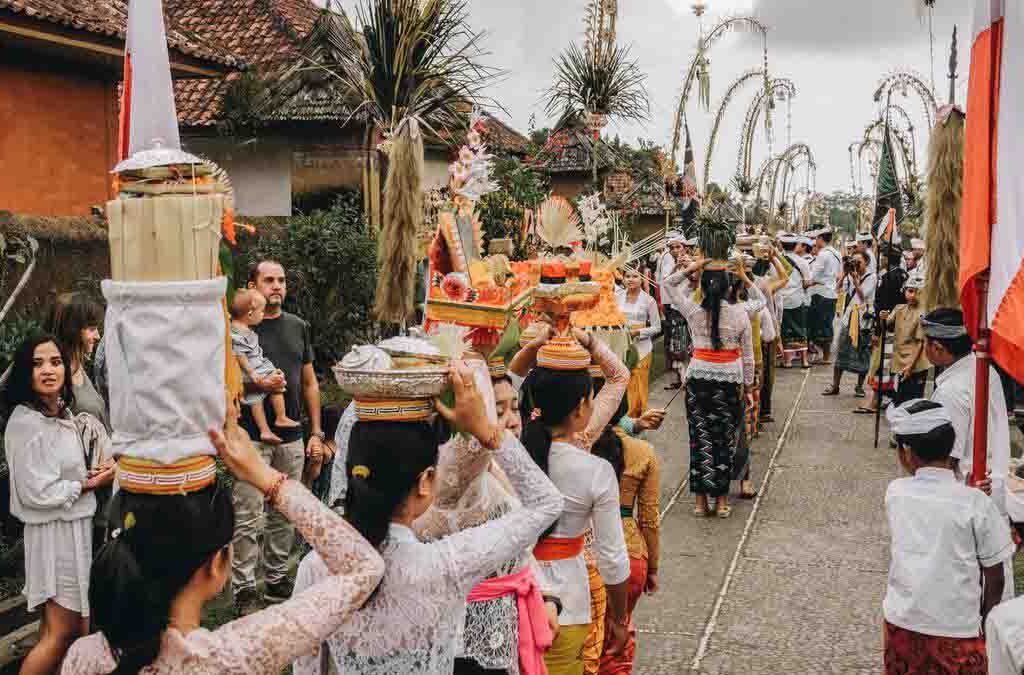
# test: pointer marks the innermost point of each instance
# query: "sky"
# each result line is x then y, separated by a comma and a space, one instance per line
835, 51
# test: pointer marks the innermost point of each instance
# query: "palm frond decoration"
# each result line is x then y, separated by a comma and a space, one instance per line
743, 185
715, 235
607, 83
416, 59
559, 224
415, 63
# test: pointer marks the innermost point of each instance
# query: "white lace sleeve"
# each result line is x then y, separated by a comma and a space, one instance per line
747, 342
473, 554
755, 300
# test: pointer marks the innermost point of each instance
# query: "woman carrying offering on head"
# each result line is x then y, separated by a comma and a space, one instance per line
720, 374
52, 494
565, 421
432, 563
644, 319
172, 554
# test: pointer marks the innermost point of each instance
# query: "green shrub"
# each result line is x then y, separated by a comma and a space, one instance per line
12, 333
330, 257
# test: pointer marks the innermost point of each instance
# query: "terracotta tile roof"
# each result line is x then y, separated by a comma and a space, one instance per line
109, 18
266, 34
500, 136
570, 149
647, 197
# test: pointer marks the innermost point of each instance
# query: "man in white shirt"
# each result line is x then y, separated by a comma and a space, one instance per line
794, 300
948, 346
821, 287
946, 539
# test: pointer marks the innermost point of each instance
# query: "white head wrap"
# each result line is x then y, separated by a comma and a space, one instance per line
865, 237
807, 241
789, 239
814, 234
904, 423
917, 244
675, 236
915, 281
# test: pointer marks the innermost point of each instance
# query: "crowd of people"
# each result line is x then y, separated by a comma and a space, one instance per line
523, 542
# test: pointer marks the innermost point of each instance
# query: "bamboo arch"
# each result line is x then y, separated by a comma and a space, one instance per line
776, 86
733, 88
903, 81
706, 42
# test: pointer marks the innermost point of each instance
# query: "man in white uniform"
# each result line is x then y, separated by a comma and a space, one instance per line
825, 271
948, 346
794, 300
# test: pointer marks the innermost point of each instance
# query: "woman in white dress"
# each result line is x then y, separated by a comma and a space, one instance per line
52, 494
644, 319
410, 623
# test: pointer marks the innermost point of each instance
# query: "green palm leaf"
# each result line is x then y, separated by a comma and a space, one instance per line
609, 83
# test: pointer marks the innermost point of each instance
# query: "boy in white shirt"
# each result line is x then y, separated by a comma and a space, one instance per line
947, 539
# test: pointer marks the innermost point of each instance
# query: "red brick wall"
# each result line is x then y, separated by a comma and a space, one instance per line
58, 139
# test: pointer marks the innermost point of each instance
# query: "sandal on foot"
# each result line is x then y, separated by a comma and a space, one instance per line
700, 512
859, 392
723, 511
747, 494
831, 391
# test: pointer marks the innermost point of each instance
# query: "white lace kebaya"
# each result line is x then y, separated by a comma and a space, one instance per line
735, 332
409, 627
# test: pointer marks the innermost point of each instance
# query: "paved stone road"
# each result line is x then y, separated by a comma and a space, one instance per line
793, 582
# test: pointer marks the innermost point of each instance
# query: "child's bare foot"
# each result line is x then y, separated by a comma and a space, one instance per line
285, 422
270, 438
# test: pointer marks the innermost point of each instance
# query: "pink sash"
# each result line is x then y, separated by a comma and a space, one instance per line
534, 633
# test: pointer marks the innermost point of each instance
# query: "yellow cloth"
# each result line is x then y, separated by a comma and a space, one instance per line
594, 645
855, 325
566, 654
755, 333
639, 388
639, 488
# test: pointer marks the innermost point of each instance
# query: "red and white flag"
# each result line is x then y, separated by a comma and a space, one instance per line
992, 216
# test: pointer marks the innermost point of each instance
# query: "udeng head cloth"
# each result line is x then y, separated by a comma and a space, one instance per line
904, 423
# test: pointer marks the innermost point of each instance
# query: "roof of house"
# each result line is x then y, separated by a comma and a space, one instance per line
75, 229
570, 149
501, 136
109, 18
644, 196
266, 34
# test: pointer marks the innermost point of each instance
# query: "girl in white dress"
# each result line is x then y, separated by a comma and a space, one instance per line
52, 494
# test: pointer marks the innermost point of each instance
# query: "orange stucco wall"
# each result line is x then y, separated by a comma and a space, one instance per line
58, 139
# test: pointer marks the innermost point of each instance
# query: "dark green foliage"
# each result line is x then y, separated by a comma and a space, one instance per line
501, 212
610, 83
330, 258
12, 334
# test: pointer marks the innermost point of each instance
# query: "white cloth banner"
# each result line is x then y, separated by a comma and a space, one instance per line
165, 365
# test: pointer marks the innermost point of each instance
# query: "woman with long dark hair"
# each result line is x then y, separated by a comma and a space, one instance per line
74, 320
720, 373
171, 554
565, 419
644, 319
52, 494
409, 625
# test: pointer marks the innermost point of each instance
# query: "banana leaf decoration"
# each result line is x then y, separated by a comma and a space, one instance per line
508, 343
